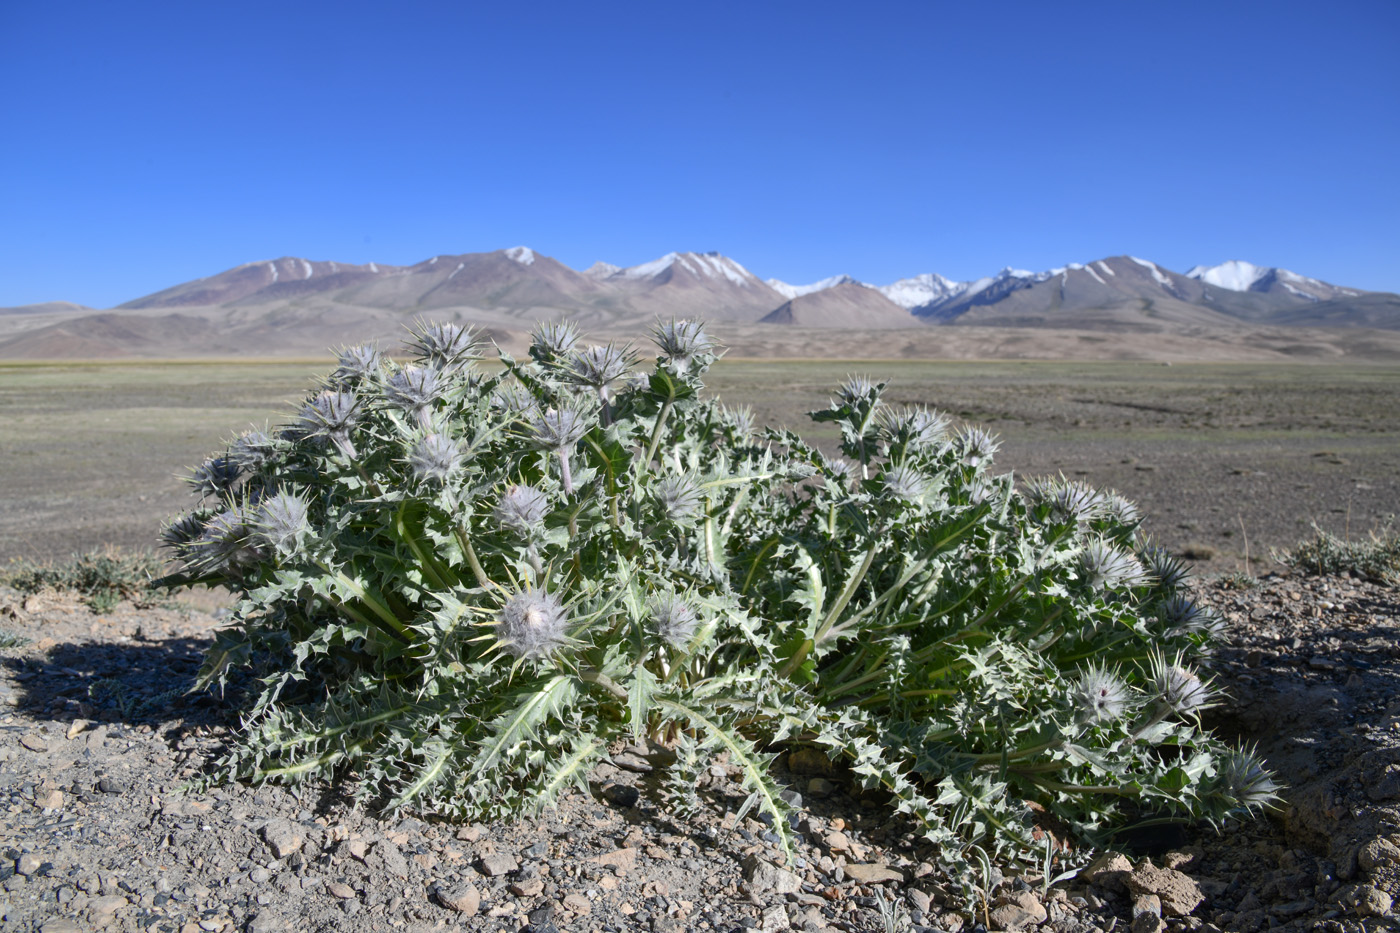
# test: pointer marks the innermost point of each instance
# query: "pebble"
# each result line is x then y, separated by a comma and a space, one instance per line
283, 837
874, 874
497, 864
1179, 893
28, 863
1377, 853
465, 899
341, 890
633, 763
764, 877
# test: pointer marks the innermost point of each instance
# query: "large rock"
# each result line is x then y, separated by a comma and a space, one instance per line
464, 898
283, 837
1019, 911
872, 874
1179, 894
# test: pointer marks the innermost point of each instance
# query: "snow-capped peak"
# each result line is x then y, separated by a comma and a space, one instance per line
703, 265
921, 290
797, 291
1236, 275
601, 270
521, 254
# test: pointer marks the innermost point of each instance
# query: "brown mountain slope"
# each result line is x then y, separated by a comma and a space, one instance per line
847, 305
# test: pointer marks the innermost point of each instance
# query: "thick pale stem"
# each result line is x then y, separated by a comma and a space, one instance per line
656, 431
481, 579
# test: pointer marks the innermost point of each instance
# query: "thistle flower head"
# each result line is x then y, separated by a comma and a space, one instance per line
182, 531
1246, 780
1099, 696
552, 340
976, 446
229, 541
282, 523
532, 624
681, 341
678, 496
434, 458
251, 449
514, 399
444, 346
856, 391
355, 364
331, 416
1185, 616
415, 389
1180, 688
672, 620
558, 429
915, 426
840, 469
905, 483
739, 420
978, 490
1068, 501
598, 367
1107, 567
1166, 571
214, 476
1120, 510
522, 508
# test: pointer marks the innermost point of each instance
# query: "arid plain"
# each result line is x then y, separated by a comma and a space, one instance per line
1225, 459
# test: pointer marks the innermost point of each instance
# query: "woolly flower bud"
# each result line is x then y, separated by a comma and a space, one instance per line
227, 542
558, 429
522, 508
672, 619
331, 416
355, 363
739, 419
214, 476
599, 367
840, 470
1099, 696
678, 496
444, 346
975, 446
252, 449
1166, 571
434, 458
1245, 779
681, 341
1179, 688
415, 389
281, 522
1068, 502
514, 399
978, 490
552, 340
904, 483
531, 624
1107, 567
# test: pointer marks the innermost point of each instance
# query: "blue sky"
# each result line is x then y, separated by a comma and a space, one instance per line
146, 144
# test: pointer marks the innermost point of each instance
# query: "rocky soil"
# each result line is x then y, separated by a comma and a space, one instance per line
100, 830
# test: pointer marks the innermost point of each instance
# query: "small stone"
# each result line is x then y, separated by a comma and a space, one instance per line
283, 837
355, 848
1108, 871
28, 863
621, 860
629, 762
837, 841
1377, 853
873, 874
465, 899
260, 875
919, 900
34, 743
623, 795
106, 906
51, 800
61, 925
773, 919
213, 925
1027, 903
579, 904
820, 787
527, 888
1147, 904
1011, 917
1148, 923
265, 921
497, 864
341, 890
110, 785
1178, 892
763, 876
1183, 858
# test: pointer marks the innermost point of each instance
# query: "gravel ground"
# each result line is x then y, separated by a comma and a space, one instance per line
98, 831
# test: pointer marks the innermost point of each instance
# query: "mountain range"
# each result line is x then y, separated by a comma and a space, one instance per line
295, 305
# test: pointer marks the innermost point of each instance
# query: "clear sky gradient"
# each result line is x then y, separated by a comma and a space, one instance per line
145, 144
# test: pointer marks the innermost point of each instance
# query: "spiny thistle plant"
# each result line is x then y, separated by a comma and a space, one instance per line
459, 586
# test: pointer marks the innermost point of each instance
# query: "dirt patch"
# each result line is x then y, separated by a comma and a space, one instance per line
100, 743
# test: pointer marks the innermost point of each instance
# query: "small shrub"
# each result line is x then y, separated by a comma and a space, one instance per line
1376, 559
103, 578
459, 588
